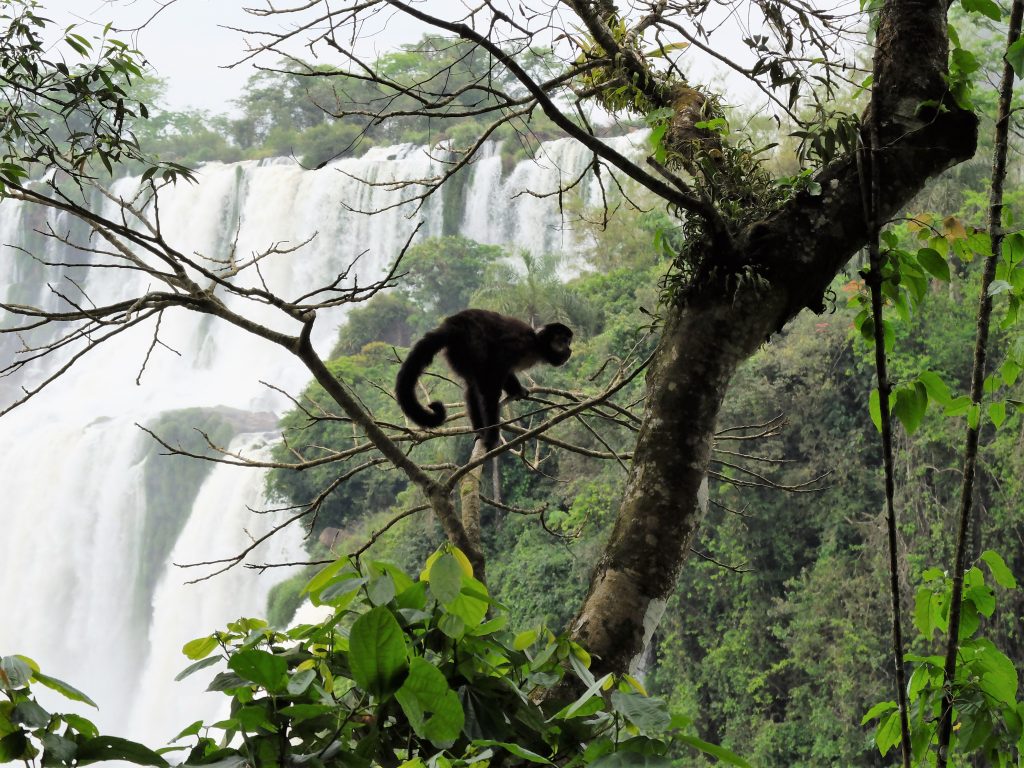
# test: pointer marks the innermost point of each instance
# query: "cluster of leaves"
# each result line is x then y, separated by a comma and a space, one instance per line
27, 731
68, 117
416, 673
914, 256
616, 86
988, 717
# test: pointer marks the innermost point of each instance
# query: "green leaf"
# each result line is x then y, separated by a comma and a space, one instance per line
984, 7
65, 690
575, 708
999, 286
377, 654
445, 579
975, 728
200, 648
339, 592
888, 734
997, 413
958, 406
113, 748
15, 672
923, 612
525, 639
300, 681
1000, 572
453, 626
910, 407
381, 590
974, 415
1010, 370
969, 621
963, 61
930, 259
319, 581
398, 576
191, 730
15, 746
227, 681
936, 387
998, 675
471, 604
30, 714
721, 753
1013, 244
648, 714
57, 749
879, 709
496, 624
513, 749
875, 409
191, 668
80, 725
983, 598
264, 669
253, 718
426, 692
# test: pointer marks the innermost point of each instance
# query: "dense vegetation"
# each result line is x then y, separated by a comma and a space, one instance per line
774, 642
777, 638
291, 111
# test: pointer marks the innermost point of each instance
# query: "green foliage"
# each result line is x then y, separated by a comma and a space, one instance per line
28, 732
309, 435
325, 142
319, 113
422, 672
987, 714
445, 272
916, 255
536, 294
74, 117
387, 317
538, 581
285, 598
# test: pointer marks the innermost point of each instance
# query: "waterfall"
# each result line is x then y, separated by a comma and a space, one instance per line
93, 516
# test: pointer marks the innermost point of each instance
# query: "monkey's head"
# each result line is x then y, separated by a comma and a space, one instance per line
555, 343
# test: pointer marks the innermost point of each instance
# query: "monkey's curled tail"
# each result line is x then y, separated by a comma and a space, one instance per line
419, 357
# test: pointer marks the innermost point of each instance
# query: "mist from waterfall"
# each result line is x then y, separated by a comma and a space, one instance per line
88, 553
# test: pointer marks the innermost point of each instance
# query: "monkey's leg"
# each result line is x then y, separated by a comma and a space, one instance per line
490, 399
475, 409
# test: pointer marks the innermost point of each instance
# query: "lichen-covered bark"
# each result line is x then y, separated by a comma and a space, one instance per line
665, 497
798, 251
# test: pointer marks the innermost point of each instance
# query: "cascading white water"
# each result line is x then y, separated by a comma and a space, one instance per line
81, 597
220, 512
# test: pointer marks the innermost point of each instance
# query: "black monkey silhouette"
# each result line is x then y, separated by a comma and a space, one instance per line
485, 350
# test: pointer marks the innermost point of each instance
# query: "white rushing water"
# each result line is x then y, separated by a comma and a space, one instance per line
85, 595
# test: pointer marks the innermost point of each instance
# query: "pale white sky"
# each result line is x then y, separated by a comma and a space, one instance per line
188, 43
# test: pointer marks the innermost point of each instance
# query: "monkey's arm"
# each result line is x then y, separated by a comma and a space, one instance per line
513, 388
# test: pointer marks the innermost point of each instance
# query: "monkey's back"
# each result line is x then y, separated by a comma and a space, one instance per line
485, 342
